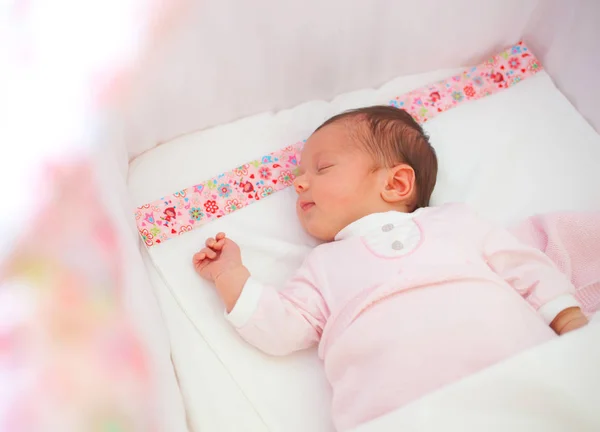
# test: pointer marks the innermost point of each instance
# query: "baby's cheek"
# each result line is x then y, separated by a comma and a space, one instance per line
339, 191
346, 198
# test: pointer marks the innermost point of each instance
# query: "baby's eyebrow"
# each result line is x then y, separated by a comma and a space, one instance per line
318, 155
314, 160
304, 160
328, 155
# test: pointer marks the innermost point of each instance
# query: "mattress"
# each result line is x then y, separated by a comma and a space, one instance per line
522, 151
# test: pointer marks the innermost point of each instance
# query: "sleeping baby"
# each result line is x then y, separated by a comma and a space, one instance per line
401, 298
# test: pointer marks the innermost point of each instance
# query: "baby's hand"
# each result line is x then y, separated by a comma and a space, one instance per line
221, 262
568, 320
219, 256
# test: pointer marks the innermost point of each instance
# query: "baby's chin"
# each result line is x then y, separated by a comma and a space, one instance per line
318, 231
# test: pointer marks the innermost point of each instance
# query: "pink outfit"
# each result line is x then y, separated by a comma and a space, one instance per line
402, 304
572, 241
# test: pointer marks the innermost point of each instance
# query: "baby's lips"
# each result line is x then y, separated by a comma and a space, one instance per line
306, 205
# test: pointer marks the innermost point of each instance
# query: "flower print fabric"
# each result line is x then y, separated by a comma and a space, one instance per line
499, 72
265, 173
226, 193
224, 190
196, 213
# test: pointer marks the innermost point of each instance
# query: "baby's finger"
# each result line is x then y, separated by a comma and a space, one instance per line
218, 245
210, 254
209, 242
198, 258
220, 236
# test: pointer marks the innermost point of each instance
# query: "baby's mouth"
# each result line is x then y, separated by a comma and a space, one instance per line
306, 205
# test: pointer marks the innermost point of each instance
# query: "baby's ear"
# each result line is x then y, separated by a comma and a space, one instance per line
399, 185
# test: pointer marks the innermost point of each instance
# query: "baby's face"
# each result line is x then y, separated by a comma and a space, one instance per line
336, 184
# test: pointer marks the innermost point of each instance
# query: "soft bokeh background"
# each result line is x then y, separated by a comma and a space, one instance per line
71, 358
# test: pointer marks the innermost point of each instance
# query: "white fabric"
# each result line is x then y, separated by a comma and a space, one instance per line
553, 388
246, 304
550, 310
522, 151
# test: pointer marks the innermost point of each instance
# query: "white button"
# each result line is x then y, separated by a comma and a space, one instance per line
397, 245
387, 227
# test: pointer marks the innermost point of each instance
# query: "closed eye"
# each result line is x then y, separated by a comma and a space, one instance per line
323, 168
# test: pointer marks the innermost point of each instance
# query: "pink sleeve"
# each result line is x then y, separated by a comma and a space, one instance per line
280, 323
530, 272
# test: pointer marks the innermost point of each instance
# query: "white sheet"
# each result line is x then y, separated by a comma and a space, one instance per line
522, 151
554, 388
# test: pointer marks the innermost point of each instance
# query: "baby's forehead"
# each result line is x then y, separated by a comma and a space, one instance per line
338, 136
322, 143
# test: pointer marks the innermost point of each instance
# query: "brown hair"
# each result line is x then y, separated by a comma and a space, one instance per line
392, 137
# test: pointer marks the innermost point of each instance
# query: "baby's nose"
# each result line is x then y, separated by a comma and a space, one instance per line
300, 184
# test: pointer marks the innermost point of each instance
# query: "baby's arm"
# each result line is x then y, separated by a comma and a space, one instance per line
536, 278
221, 263
278, 323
